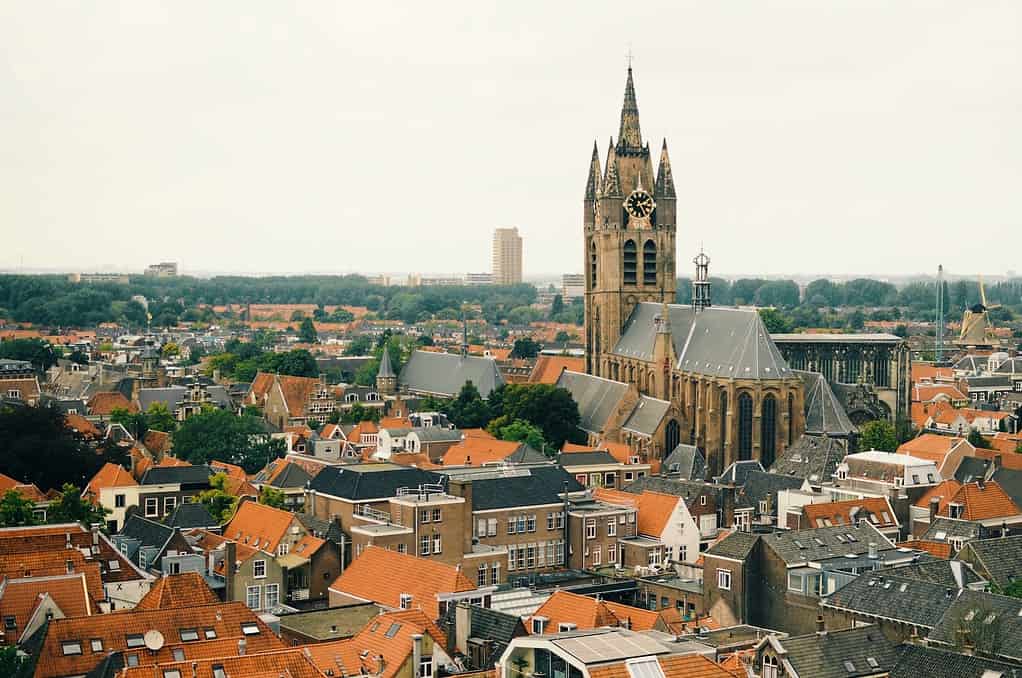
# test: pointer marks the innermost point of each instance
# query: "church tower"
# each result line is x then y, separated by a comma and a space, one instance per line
629, 220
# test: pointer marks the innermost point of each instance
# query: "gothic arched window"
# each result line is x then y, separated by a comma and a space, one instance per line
652, 384
630, 262
723, 422
745, 426
672, 436
791, 418
649, 263
592, 264
768, 431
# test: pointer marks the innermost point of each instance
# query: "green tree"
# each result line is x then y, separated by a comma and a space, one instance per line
977, 440
556, 307
218, 501
878, 435
307, 332
71, 508
360, 345
562, 337
159, 418
856, 319
221, 435
271, 497
525, 347
78, 356
523, 432
468, 409
11, 661
775, 321
1014, 589
359, 412
36, 351
134, 423
170, 350
549, 408
15, 510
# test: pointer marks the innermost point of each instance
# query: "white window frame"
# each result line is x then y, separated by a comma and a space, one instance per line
275, 588
723, 579
255, 569
169, 504
155, 512
590, 529
258, 590
612, 527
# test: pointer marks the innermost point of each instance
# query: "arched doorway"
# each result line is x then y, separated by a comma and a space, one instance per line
672, 436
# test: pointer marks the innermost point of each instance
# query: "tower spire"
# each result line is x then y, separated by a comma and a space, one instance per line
701, 283
611, 181
593, 182
664, 178
629, 136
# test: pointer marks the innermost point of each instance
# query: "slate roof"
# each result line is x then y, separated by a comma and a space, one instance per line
1010, 366
324, 529
824, 543
689, 489
597, 398
737, 545
291, 475
953, 573
917, 661
884, 596
826, 655
495, 626
1001, 558
597, 458
172, 396
944, 529
972, 363
533, 487
737, 472
971, 468
717, 341
187, 516
762, 486
446, 373
824, 413
1010, 481
1007, 614
647, 416
814, 458
186, 475
686, 461
370, 481
437, 434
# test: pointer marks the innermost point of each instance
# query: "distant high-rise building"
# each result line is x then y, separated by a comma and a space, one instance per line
166, 269
507, 256
573, 286
478, 278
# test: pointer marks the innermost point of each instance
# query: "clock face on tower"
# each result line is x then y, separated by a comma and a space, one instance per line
639, 204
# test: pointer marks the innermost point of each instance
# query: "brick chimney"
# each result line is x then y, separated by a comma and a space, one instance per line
230, 557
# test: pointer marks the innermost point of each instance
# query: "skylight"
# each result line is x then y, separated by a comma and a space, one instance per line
392, 631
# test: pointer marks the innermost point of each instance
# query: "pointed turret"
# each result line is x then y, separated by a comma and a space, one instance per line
664, 178
385, 368
386, 379
629, 135
593, 182
611, 181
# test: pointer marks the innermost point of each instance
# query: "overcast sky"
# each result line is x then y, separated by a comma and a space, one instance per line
875, 137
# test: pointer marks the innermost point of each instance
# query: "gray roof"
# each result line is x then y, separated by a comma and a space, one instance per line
971, 469
597, 398
736, 472
851, 338
11, 365
882, 595
322, 528
825, 543
445, 373
575, 459
953, 573
526, 455
171, 396
370, 481
437, 434
686, 461
814, 458
647, 416
992, 381
1007, 615
497, 627
918, 661
762, 486
385, 368
944, 529
1010, 481
187, 516
737, 545
716, 341
1010, 366
824, 413
527, 487
1001, 558
688, 489
972, 363
292, 476
197, 474
841, 654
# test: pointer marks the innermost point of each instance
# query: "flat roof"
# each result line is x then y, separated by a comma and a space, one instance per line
861, 337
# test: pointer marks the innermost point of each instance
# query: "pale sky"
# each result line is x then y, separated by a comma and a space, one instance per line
855, 136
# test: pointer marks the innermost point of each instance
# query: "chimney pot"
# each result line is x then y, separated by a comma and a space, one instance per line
821, 626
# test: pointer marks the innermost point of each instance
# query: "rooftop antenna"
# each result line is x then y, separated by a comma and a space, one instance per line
939, 352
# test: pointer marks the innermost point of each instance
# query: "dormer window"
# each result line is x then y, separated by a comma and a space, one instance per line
406, 601
955, 510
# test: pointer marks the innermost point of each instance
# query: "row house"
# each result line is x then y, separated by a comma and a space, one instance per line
984, 504
664, 518
291, 401
609, 465
18, 381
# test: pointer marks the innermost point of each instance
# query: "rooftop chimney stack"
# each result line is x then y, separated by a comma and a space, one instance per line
821, 626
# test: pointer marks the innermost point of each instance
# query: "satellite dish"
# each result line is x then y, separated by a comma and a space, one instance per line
153, 640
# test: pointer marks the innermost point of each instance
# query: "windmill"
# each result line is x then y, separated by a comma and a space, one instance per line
976, 326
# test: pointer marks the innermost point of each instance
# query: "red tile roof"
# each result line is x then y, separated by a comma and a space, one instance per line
111, 475
876, 509
20, 597
938, 549
590, 613
177, 590
82, 426
105, 403
290, 663
548, 368
423, 579
654, 508
984, 501
479, 452
259, 526
673, 666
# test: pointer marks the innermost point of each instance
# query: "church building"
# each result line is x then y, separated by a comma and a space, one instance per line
712, 375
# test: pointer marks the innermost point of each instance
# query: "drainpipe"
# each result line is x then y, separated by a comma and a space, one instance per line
567, 535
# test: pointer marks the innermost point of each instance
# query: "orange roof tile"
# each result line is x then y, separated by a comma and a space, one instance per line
374, 641
548, 368
1005, 448
423, 579
924, 393
938, 549
654, 508
292, 663
113, 629
177, 590
673, 666
477, 433
259, 526
231, 470
157, 442
979, 502
111, 475
922, 372
105, 403
20, 597
395, 422
479, 452
568, 448
20, 564
931, 446
591, 613
82, 425
877, 509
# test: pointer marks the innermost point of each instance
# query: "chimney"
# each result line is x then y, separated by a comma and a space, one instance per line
459, 487
462, 624
981, 484
416, 654
821, 627
934, 506
230, 557
95, 533
242, 646
948, 593
381, 663
873, 550
998, 461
